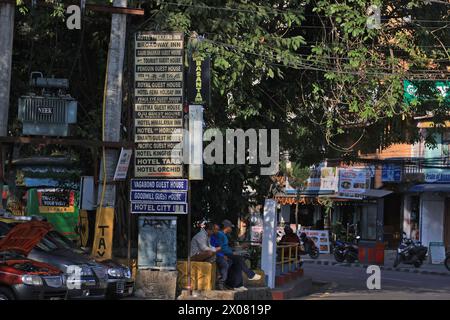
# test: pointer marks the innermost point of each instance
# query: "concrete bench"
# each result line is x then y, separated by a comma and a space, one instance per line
203, 275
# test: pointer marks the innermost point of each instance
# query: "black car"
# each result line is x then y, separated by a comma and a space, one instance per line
120, 282
86, 279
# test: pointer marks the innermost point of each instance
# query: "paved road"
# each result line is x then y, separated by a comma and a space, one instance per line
350, 283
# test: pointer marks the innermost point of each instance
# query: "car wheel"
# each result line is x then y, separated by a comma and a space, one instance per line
6, 294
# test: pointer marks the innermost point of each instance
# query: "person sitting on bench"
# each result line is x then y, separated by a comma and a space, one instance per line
235, 263
201, 249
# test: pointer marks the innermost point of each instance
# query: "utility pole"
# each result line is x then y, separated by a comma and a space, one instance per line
111, 115
6, 47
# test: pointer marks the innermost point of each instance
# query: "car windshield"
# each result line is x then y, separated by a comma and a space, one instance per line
47, 245
59, 240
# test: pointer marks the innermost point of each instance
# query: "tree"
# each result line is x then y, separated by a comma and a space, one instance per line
309, 68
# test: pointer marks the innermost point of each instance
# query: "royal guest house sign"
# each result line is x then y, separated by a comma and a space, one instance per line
158, 108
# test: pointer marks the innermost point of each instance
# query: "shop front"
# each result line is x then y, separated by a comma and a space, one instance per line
427, 213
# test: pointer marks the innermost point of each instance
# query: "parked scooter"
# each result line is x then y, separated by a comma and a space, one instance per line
410, 252
346, 251
309, 246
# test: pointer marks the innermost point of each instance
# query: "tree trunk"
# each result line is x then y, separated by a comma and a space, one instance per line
6, 47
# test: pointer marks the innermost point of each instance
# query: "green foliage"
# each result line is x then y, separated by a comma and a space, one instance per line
309, 68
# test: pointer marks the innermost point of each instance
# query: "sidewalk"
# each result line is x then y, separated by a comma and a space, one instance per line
389, 256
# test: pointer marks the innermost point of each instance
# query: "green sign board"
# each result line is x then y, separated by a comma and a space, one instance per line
59, 206
411, 89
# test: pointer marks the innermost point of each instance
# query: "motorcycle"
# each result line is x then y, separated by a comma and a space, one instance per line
410, 252
346, 251
447, 261
309, 246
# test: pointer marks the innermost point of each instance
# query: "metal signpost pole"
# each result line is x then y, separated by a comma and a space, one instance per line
189, 231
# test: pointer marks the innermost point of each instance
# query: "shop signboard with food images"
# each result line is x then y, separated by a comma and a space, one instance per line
320, 237
353, 182
322, 180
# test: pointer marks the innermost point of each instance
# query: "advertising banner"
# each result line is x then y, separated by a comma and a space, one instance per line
60, 207
199, 80
123, 164
353, 182
391, 173
320, 237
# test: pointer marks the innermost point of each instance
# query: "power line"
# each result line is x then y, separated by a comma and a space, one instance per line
305, 66
308, 44
233, 9
439, 2
280, 11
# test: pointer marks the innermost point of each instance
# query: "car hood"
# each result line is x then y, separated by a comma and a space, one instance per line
23, 237
62, 258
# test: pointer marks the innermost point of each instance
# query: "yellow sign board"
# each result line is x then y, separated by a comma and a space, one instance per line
48, 209
104, 224
431, 124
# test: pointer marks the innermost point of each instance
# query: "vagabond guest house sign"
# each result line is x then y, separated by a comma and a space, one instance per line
158, 196
158, 108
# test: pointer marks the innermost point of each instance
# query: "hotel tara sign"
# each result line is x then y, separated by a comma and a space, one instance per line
158, 108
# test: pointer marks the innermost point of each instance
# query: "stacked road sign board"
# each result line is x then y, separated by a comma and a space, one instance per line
158, 108
158, 122
158, 196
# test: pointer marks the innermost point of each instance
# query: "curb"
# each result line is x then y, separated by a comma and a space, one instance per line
359, 265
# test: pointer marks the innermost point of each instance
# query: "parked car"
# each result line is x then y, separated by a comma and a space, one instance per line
119, 280
22, 278
90, 283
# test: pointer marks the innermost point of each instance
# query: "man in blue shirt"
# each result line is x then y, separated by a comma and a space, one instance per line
230, 265
221, 259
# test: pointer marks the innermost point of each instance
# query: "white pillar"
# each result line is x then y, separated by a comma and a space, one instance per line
269, 242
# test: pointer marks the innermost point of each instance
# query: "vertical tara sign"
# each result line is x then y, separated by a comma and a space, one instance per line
158, 108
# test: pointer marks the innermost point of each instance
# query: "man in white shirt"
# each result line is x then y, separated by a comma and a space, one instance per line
201, 249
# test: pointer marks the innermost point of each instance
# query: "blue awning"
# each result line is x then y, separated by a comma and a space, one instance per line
430, 188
